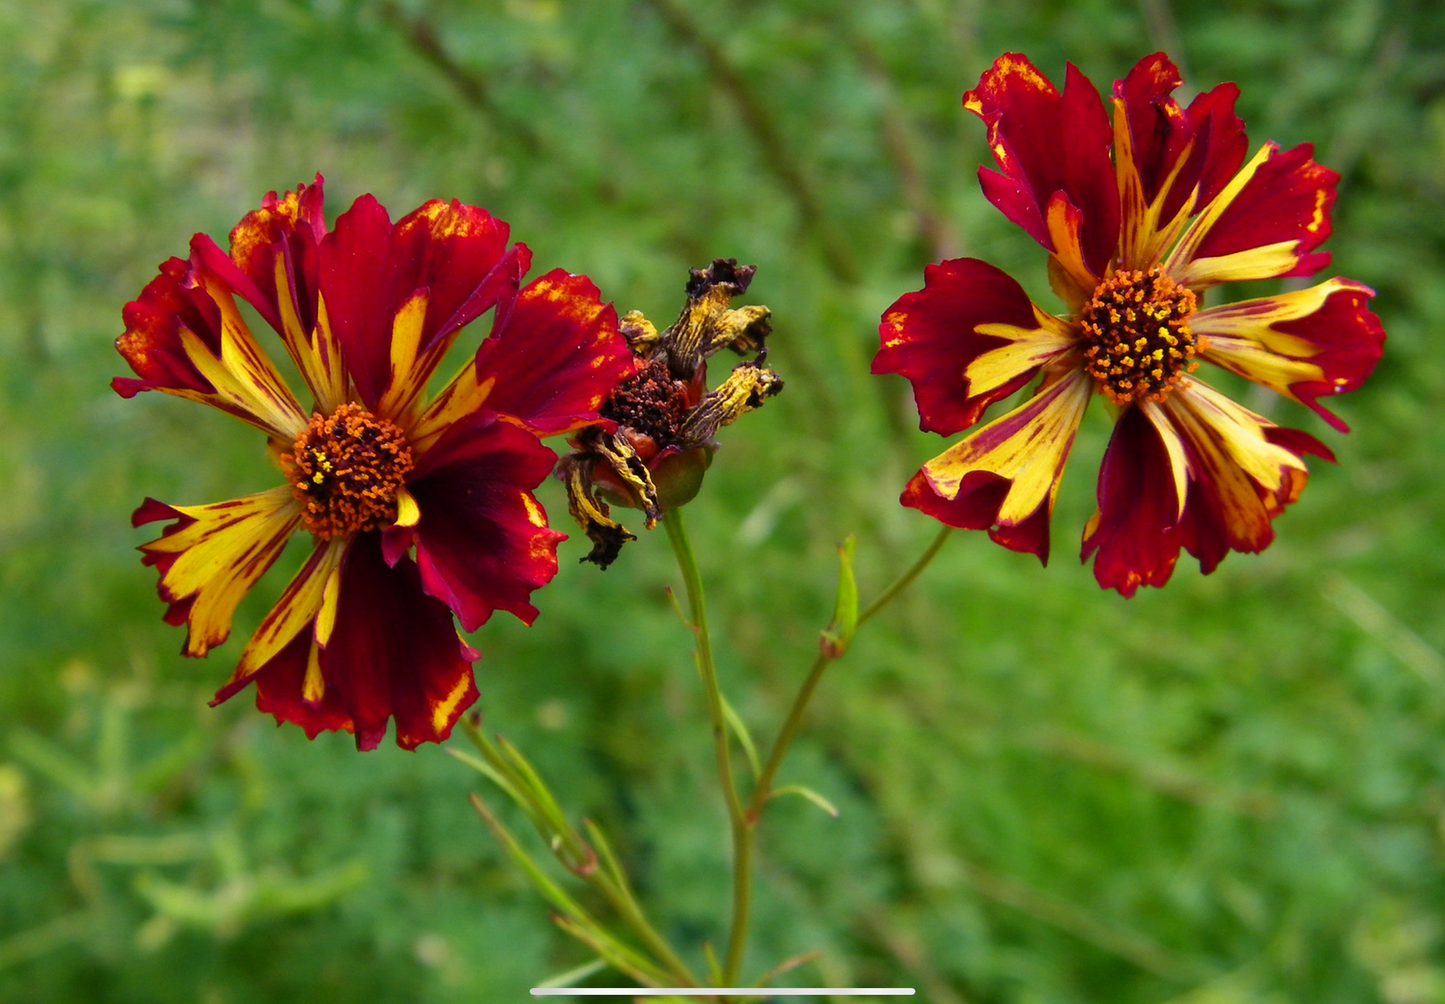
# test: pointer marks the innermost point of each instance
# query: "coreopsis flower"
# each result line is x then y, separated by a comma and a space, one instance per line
1136, 242
415, 509
655, 440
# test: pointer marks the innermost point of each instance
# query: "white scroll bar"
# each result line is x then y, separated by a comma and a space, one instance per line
718, 991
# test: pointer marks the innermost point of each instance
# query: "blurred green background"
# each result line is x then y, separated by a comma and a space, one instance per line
1230, 791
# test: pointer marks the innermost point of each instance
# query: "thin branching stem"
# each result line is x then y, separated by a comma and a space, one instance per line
737, 821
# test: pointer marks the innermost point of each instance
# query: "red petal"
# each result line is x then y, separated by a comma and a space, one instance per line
554, 354
1046, 142
1325, 334
1135, 529
483, 543
930, 338
980, 495
355, 279
289, 227
394, 653
1349, 340
152, 343
460, 253
279, 688
1160, 132
1234, 456
456, 253
1288, 198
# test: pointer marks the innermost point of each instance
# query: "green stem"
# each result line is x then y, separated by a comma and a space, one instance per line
737, 819
763, 791
902, 582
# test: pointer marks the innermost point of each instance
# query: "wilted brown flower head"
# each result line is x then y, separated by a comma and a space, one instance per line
657, 440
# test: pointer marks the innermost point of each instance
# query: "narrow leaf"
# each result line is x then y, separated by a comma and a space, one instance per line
809, 794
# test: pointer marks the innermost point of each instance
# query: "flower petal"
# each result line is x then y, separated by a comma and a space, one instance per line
482, 543
1265, 223
1141, 493
309, 600
212, 556
1305, 344
291, 687
185, 336
395, 653
1005, 476
1168, 160
273, 266
554, 355
1047, 142
969, 338
1243, 471
372, 272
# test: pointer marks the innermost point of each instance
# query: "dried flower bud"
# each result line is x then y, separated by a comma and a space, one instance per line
665, 417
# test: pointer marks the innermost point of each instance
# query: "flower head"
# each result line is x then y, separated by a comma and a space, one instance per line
416, 509
655, 440
1136, 241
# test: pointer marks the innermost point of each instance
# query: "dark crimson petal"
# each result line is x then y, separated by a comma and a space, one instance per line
1348, 339
355, 279
1220, 144
289, 227
1047, 142
1305, 344
460, 254
1202, 529
1232, 456
976, 507
152, 341
930, 338
1135, 529
483, 543
1157, 125
1298, 442
279, 691
394, 652
1160, 131
454, 254
1288, 198
554, 354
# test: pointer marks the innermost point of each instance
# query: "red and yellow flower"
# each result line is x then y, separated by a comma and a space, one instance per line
417, 509
1135, 242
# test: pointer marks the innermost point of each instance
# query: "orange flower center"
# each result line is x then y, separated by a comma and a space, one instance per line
1137, 340
346, 469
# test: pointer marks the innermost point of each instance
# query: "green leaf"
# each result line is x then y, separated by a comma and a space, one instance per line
740, 730
839, 633
809, 794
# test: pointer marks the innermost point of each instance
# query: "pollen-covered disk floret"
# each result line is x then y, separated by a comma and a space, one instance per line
1136, 332
346, 469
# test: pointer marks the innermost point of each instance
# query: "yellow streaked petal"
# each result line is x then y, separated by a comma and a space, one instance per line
1174, 447
1028, 447
219, 557
299, 605
316, 354
330, 370
330, 597
441, 711
1143, 234
406, 376
1244, 337
1027, 349
1220, 428
408, 513
243, 376
313, 685
460, 397
1064, 223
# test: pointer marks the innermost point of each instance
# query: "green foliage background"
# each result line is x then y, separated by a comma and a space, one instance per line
1230, 791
